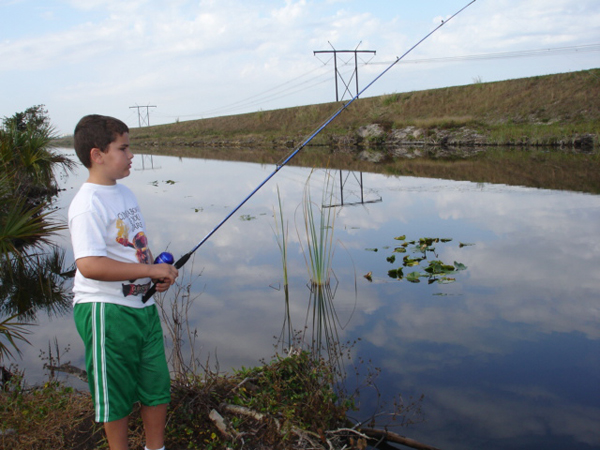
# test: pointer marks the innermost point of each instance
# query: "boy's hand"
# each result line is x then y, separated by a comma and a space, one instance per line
161, 286
164, 276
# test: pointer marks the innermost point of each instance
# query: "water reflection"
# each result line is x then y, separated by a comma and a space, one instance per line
508, 356
37, 282
352, 190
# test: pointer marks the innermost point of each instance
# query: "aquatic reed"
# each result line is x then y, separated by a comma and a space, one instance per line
318, 251
281, 235
319, 228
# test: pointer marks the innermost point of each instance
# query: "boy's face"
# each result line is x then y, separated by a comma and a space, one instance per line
113, 164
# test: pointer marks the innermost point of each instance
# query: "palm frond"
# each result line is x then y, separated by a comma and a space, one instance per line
29, 154
12, 330
22, 225
32, 282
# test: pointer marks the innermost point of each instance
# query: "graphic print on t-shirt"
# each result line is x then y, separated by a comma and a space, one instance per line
139, 243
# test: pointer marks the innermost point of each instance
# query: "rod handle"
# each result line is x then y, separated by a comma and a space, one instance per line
149, 293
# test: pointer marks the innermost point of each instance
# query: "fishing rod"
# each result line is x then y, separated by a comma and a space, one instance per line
166, 257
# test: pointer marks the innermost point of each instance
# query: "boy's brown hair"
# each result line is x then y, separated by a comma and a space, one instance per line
96, 131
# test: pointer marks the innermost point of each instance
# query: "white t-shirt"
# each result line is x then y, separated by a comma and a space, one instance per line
107, 221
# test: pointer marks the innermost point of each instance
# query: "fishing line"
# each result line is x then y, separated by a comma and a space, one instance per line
504, 55
166, 257
259, 98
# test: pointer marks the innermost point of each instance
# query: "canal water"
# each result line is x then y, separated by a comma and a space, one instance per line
505, 350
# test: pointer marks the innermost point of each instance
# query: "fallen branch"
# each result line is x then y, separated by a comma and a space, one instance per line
68, 368
395, 438
242, 410
382, 436
260, 417
219, 422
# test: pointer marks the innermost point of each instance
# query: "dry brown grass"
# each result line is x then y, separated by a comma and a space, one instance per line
571, 98
545, 108
48, 417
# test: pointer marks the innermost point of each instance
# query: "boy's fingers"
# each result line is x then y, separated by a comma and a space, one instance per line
166, 272
172, 271
161, 287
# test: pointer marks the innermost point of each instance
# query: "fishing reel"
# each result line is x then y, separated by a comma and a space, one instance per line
164, 258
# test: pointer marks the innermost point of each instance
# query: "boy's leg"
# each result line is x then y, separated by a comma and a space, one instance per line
116, 433
113, 336
154, 382
154, 418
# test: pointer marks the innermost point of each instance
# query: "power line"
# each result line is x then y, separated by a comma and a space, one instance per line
270, 94
505, 55
284, 90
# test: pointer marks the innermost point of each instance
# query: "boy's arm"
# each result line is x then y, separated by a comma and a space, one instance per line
102, 268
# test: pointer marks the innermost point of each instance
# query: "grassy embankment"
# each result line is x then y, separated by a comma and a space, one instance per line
517, 132
544, 109
530, 114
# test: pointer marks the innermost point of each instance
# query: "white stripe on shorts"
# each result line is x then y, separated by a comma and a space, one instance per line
100, 378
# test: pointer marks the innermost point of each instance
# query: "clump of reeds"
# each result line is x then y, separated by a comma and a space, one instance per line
318, 248
319, 228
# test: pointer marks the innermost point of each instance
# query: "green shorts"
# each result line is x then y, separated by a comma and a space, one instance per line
124, 357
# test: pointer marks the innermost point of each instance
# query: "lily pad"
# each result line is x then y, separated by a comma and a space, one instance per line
420, 250
411, 262
438, 267
446, 280
413, 277
396, 273
459, 266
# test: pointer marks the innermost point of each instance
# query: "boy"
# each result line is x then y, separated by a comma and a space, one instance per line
125, 357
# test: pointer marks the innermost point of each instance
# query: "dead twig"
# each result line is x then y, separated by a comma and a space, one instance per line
70, 369
389, 436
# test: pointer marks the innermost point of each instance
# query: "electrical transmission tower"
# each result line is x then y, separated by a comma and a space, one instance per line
352, 197
338, 74
141, 118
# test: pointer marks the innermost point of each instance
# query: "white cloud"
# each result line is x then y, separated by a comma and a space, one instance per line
230, 50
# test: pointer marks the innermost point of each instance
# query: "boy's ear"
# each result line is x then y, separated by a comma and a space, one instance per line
96, 155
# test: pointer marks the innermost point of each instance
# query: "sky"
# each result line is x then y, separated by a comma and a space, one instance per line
155, 62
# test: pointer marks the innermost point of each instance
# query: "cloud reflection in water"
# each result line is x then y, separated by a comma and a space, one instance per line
507, 355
